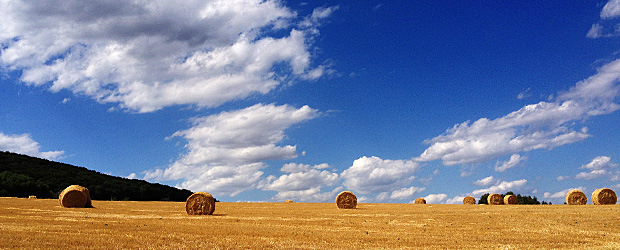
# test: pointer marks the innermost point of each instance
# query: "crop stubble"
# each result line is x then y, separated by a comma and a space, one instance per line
43, 223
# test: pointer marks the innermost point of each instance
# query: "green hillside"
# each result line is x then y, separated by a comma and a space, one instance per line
22, 176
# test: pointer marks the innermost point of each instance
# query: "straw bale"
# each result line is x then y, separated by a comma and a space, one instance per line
346, 200
495, 199
576, 197
469, 200
288, 201
200, 203
419, 201
604, 196
511, 199
75, 196
34, 197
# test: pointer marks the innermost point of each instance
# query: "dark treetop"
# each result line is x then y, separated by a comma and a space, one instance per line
22, 176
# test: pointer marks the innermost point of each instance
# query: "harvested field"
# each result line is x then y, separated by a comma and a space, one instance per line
43, 224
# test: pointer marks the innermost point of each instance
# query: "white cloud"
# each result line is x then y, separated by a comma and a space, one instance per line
405, 193
467, 170
525, 94
226, 151
146, 55
502, 187
611, 9
599, 167
296, 168
488, 181
595, 31
382, 196
222, 180
303, 183
600, 162
456, 200
317, 15
544, 125
561, 178
373, 174
514, 160
131, 176
363, 199
308, 195
24, 144
561, 194
592, 174
435, 198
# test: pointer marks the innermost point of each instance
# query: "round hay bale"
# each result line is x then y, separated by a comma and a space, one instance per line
495, 199
469, 200
604, 196
75, 196
511, 199
419, 201
33, 197
200, 203
576, 197
288, 201
346, 200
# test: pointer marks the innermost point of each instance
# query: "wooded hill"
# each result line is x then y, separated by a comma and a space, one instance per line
22, 176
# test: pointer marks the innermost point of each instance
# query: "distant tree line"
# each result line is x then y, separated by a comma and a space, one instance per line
523, 200
22, 176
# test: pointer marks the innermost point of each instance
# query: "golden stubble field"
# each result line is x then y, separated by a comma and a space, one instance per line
43, 224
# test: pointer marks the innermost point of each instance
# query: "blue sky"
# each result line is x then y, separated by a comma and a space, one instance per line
275, 100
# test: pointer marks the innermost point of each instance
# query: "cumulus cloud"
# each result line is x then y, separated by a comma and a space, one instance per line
594, 174
308, 195
488, 181
456, 200
406, 193
24, 144
562, 177
297, 168
544, 125
610, 11
435, 198
561, 194
226, 151
600, 162
514, 160
146, 55
375, 175
303, 183
599, 167
502, 187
